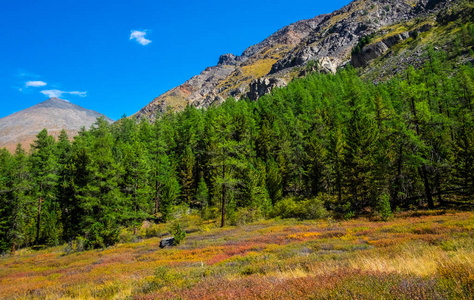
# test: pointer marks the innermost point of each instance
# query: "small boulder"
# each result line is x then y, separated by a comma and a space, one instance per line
167, 242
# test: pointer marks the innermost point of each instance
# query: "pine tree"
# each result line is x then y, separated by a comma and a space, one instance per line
414, 95
102, 200
315, 161
75, 191
22, 203
169, 193
254, 192
187, 176
464, 156
226, 161
361, 138
273, 181
5, 198
166, 187
135, 185
202, 195
45, 174
263, 143
336, 161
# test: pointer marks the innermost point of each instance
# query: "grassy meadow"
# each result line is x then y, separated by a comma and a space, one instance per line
416, 255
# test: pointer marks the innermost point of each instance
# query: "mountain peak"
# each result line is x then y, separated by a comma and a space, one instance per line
55, 99
57, 103
53, 114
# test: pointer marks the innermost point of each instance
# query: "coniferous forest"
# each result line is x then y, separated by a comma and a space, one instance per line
325, 144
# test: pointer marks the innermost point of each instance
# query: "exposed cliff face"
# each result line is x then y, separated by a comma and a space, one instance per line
262, 86
53, 114
375, 50
326, 39
233, 74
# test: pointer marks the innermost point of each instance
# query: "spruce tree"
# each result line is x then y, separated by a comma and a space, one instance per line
202, 195
102, 201
45, 180
5, 199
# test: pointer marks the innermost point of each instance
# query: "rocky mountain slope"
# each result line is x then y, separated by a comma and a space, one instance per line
53, 114
328, 40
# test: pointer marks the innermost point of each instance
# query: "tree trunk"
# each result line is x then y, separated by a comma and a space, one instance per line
429, 197
422, 170
398, 178
38, 223
157, 198
223, 197
339, 187
134, 225
438, 188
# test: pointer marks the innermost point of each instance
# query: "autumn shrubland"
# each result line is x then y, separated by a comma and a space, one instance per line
415, 255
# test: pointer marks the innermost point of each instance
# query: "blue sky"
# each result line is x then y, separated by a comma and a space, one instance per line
117, 56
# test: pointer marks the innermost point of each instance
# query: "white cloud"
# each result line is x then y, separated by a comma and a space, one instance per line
58, 93
52, 93
139, 36
80, 94
35, 83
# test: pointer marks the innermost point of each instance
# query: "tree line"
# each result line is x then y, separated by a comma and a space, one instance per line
323, 143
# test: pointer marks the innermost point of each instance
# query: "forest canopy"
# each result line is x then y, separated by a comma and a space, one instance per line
325, 143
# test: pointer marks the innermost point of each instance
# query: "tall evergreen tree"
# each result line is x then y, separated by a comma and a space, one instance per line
5, 204
102, 200
45, 174
187, 176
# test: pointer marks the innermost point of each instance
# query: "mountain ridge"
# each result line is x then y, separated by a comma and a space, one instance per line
54, 114
327, 39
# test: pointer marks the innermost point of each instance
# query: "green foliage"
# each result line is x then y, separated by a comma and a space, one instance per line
169, 193
100, 235
348, 215
305, 209
163, 276
202, 194
383, 207
324, 144
364, 41
312, 66
153, 230
76, 245
245, 215
178, 233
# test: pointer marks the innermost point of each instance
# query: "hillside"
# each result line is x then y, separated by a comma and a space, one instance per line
53, 114
415, 256
327, 40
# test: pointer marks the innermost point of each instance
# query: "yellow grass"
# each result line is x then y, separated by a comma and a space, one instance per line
266, 260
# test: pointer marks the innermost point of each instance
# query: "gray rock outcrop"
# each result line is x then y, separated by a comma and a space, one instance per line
262, 86
368, 53
227, 59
